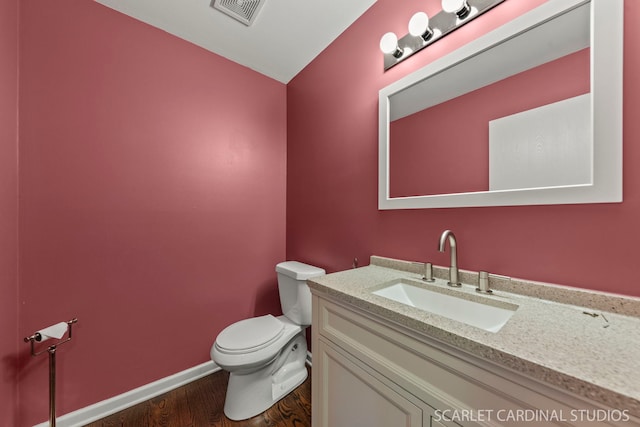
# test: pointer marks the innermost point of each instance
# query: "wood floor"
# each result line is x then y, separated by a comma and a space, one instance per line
200, 403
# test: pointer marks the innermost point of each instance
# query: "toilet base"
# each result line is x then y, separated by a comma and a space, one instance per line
253, 393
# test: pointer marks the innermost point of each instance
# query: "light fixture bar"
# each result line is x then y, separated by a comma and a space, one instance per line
441, 24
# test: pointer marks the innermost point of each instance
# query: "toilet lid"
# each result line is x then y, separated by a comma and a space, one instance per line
250, 334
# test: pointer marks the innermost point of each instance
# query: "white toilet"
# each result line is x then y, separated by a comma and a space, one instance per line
266, 355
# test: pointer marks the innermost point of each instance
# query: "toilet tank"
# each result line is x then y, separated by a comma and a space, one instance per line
295, 296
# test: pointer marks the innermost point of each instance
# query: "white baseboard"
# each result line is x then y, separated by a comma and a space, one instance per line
115, 404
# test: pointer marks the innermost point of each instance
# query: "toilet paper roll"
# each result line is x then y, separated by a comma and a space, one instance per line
54, 331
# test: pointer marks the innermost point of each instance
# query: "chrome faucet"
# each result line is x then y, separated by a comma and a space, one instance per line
453, 269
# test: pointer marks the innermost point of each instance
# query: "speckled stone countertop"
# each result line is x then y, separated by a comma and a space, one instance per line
549, 337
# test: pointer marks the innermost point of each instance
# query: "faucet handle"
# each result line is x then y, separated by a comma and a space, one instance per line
428, 273
483, 283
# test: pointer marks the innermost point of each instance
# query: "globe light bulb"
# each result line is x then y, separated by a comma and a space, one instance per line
419, 26
459, 7
389, 45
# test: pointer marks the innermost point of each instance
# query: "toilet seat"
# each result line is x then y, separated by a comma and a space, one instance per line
249, 335
252, 342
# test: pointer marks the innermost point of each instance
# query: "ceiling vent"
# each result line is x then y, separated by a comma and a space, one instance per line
244, 11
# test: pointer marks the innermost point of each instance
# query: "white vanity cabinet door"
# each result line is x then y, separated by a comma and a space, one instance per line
354, 397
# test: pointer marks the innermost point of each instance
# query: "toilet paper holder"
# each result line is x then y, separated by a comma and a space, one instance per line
51, 349
36, 337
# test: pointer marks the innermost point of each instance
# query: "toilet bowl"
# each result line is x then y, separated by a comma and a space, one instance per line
266, 355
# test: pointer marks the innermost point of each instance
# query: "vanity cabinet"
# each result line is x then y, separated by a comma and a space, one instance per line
370, 372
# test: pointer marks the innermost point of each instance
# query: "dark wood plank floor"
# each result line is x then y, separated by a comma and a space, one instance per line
200, 403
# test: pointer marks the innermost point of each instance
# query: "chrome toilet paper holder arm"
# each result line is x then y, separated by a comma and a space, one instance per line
36, 337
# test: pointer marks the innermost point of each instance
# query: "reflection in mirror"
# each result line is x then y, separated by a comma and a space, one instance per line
446, 149
530, 113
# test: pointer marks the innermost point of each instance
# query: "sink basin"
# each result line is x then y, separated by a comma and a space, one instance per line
472, 312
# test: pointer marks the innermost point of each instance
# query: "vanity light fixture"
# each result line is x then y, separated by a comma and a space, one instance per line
424, 30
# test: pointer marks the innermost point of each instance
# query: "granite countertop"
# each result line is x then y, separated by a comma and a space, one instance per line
547, 337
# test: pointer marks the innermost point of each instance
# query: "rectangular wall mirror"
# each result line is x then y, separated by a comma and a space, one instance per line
528, 114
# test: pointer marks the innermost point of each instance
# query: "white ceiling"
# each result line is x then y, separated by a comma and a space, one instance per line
285, 36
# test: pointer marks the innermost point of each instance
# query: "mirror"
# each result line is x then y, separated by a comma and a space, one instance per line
453, 134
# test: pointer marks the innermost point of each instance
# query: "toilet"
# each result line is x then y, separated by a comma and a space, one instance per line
266, 355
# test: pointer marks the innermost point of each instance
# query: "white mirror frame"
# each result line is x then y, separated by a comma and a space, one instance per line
550, 24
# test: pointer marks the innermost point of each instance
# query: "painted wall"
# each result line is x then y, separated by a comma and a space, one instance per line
152, 179
9, 340
332, 213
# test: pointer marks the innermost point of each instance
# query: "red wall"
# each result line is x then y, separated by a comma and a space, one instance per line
332, 213
152, 207
8, 210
